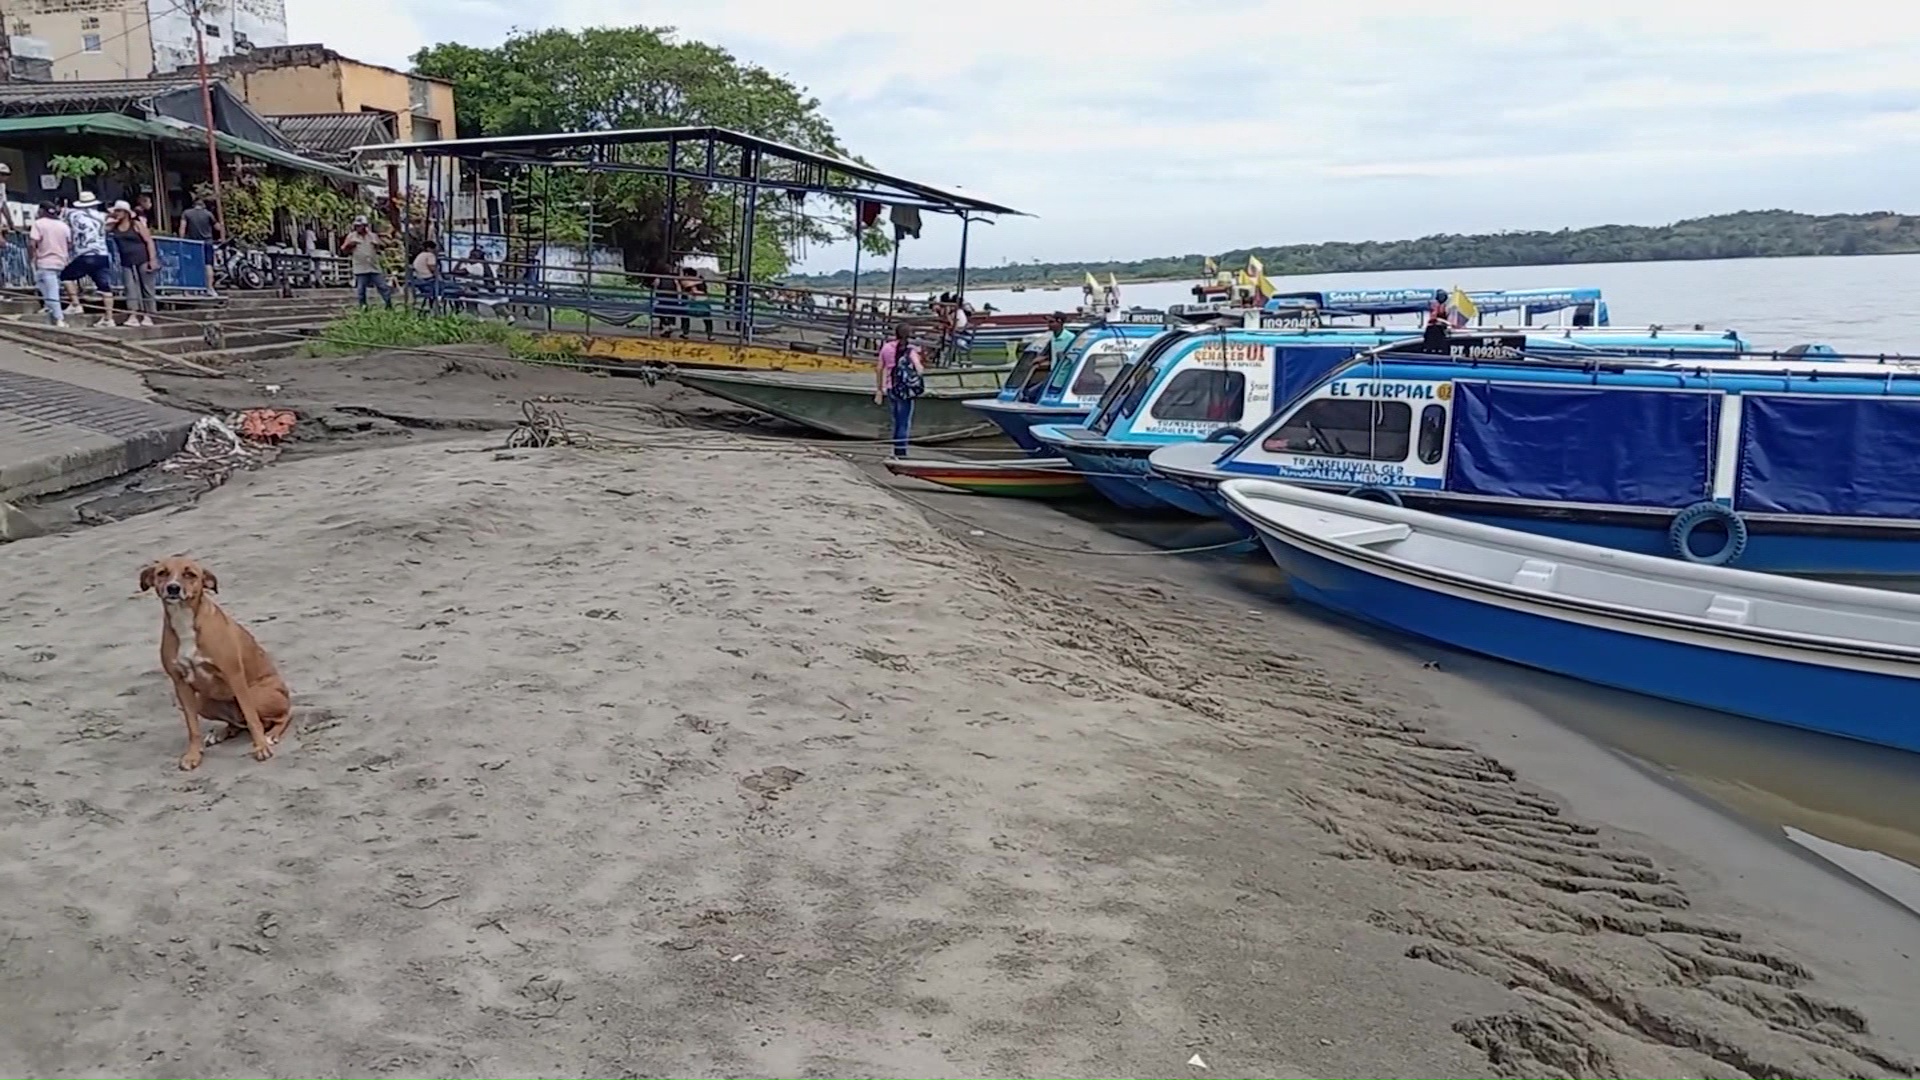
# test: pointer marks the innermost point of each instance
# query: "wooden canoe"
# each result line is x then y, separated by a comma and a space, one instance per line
1018, 479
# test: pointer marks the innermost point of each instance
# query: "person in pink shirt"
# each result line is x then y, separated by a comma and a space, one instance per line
50, 246
898, 378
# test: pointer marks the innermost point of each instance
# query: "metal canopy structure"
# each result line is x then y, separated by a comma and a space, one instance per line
768, 180
806, 170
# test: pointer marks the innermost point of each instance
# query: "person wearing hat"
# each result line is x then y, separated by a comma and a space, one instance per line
362, 249
139, 262
90, 261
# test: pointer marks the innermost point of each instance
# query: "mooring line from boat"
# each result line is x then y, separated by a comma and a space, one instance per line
637, 439
851, 447
541, 428
1055, 548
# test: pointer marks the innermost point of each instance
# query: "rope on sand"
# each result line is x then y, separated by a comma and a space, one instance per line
975, 526
542, 427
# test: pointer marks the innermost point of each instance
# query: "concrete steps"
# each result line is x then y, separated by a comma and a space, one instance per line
171, 336
222, 358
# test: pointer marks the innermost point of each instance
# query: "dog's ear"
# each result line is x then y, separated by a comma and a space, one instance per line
208, 581
146, 576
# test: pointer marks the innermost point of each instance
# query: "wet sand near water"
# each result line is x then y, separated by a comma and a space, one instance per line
725, 761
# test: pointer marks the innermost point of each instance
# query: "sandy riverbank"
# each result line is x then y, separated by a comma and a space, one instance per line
715, 761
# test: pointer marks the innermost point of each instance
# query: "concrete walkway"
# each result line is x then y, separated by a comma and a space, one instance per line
62, 432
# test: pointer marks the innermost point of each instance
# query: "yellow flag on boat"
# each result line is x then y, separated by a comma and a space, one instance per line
1257, 274
1464, 304
1209, 268
1092, 282
1113, 283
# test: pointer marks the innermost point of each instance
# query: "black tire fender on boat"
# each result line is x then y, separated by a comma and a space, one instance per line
1375, 494
1226, 434
1688, 521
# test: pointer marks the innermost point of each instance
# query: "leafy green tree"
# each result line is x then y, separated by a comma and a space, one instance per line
642, 77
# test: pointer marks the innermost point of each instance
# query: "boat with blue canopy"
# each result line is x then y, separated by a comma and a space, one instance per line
1100, 350
1577, 307
1804, 463
1199, 384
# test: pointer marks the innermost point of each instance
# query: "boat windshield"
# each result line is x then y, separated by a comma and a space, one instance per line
1022, 367
1107, 360
1135, 371
1077, 348
1123, 397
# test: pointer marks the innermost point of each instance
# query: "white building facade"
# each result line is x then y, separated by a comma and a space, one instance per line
132, 39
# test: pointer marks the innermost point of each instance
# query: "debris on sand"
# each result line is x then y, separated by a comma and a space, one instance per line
217, 449
770, 782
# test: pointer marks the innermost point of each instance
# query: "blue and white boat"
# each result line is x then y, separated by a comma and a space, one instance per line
1100, 350
1805, 464
1092, 361
1574, 307
1810, 654
1194, 385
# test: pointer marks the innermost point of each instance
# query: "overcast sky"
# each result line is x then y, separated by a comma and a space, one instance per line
1135, 128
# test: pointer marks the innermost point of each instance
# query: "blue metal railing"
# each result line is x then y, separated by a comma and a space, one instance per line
184, 264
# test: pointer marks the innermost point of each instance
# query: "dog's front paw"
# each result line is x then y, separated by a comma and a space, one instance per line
190, 760
262, 750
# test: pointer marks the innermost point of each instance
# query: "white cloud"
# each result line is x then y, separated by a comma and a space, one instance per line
1141, 127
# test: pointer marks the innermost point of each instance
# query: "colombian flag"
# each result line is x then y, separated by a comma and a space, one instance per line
1464, 309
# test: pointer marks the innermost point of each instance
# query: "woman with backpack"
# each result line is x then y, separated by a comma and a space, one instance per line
898, 378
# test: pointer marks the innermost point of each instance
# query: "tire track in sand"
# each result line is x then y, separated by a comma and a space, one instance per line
1615, 973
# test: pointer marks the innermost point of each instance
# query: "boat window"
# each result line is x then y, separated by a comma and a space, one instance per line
1099, 372
1375, 430
1203, 394
1433, 434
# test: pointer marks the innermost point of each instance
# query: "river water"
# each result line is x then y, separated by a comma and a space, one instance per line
1853, 805
1866, 304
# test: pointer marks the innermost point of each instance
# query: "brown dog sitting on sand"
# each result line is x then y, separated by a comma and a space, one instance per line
218, 670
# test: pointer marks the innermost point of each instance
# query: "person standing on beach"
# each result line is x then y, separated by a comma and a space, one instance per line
898, 378
362, 249
50, 246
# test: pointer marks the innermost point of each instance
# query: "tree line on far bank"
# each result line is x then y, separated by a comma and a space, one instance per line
1747, 234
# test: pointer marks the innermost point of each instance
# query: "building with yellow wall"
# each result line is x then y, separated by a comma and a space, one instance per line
308, 79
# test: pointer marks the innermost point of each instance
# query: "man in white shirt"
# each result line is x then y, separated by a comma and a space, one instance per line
90, 261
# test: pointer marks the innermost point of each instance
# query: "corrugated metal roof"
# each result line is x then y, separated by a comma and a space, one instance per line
92, 91
529, 148
334, 134
170, 130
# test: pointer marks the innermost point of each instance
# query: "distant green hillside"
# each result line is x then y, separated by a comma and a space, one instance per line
1748, 234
